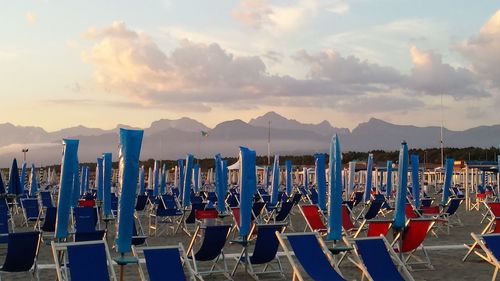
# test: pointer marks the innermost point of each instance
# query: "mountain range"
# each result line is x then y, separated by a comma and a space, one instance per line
172, 139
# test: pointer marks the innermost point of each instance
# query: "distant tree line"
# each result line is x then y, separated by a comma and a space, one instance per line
430, 155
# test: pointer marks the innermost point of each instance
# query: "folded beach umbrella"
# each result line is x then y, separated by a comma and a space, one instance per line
220, 190
369, 170
23, 178
399, 215
415, 184
388, 187
130, 150
14, 182
99, 178
106, 191
2, 185
448, 174
87, 179
321, 180
82, 181
180, 164
156, 179
498, 174
335, 194
75, 192
142, 188
352, 174
150, 178
275, 180
248, 183
188, 176
34, 182
196, 177
163, 179
225, 174
289, 184
266, 178
306, 178
70, 151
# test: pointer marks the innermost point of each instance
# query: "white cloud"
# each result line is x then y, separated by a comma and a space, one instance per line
31, 18
483, 48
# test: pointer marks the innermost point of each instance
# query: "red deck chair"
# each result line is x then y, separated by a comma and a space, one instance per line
86, 203
236, 219
347, 222
492, 227
413, 237
492, 211
431, 210
410, 212
206, 214
375, 228
313, 217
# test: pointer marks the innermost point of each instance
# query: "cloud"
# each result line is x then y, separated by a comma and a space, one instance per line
31, 18
482, 50
275, 15
201, 76
433, 77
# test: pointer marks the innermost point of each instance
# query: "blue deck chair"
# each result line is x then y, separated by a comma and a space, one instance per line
31, 211
426, 202
85, 219
46, 199
77, 265
450, 217
141, 202
378, 261
210, 250
373, 209
163, 262
22, 251
490, 244
48, 226
165, 212
257, 208
232, 201
313, 197
358, 197
114, 204
264, 251
138, 238
312, 254
283, 212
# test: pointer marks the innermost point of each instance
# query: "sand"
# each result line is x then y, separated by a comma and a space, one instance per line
448, 263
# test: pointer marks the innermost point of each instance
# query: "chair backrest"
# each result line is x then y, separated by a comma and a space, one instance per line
22, 250
194, 207
286, 207
30, 207
206, 214
236, 215
213, 242
415, 233
453, 206
493, 243
49, 222
309, 252
313, 218
88, 262
85, 219
410, 212
296, 198
494, 208
496, 228
257, 208
378, 227
141, 202
358, 197
374, 208
232, 200
266, 245
431, 210
376, 258
162, 262
46, 199
426, 202
89, 236
314, 196
347, 222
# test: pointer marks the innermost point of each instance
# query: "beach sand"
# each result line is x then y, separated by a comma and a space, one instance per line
448, 263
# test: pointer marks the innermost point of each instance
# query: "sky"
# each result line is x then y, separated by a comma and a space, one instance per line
103, 63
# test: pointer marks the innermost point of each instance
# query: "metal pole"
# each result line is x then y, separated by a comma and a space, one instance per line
269, 144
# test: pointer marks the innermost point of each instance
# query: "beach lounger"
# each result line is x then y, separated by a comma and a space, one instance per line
374, 208
264, 252
22, 252
83, 261
4, 227
312, 254
492, 211
166, 212
413, 237
47, 224
163, 262
85, 219
31, 211
45, 199
493, 227
211, 250
378, 261
490, 244
314, 218
375, 228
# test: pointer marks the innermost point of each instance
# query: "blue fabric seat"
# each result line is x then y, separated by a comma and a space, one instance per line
164, 261
141, 202
31, 210
312, 256
79, 262
22, 250
85, 219
89, 236
4, 227
46, 199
